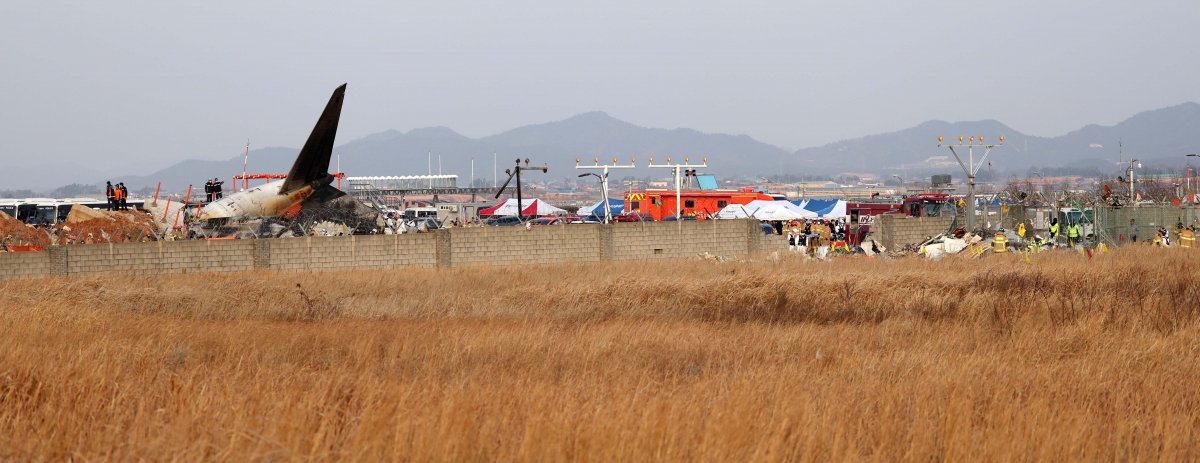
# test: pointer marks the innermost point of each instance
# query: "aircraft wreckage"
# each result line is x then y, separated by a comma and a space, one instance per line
295, 205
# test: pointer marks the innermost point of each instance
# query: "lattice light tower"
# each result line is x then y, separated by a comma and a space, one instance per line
677, 169
970, 168
604, 179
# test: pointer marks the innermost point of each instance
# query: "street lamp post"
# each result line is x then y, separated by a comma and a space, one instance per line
970, 168
604, 180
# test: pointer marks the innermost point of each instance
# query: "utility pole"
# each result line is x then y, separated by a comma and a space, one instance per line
677, 170
604, 180
1189, 174
1131, 174
517, 173
970, 168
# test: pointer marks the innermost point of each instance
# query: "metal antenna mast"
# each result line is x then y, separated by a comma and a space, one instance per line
970, 168
604, 179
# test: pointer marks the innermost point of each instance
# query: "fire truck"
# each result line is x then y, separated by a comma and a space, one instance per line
697, 204
862, 215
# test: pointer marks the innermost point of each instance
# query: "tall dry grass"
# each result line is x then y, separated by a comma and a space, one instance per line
1063, 358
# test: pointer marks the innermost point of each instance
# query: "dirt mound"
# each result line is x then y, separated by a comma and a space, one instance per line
15, 233
111, 226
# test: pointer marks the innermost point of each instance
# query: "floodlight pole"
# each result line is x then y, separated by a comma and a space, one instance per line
604, 180
677, 169
970, 168
517, 174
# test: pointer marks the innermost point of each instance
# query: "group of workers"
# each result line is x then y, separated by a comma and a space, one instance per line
1073, 235
118, 196
809, 235
1162, 236
213, 190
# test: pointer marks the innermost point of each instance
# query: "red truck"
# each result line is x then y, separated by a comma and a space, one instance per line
862, 215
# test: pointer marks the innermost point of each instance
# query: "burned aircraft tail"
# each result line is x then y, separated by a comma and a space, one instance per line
313, 162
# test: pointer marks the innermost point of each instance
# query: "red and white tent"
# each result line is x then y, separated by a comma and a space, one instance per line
533, 207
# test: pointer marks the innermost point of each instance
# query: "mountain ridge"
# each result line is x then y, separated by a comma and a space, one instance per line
598, 134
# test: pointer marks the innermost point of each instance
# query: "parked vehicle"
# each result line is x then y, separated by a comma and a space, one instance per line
633, 217
425, 224
559, 220
503, 221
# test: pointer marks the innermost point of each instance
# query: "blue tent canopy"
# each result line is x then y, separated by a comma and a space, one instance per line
596, 211
823, 207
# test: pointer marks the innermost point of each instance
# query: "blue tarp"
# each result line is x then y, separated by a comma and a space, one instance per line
816, 205
596, 211
823, 207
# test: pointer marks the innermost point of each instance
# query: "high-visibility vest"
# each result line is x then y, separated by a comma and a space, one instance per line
1073, 231
1000, 243
1053, 230
1187, 239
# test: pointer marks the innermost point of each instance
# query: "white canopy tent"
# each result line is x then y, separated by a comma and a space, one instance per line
765, 210
778, 210
732, 211
532, 207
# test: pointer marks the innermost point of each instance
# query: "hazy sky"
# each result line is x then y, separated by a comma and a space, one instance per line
130, 87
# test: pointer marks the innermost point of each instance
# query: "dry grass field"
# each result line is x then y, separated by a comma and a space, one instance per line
1061, 358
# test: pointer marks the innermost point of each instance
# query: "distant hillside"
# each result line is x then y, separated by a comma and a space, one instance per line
557, 144
1161, 136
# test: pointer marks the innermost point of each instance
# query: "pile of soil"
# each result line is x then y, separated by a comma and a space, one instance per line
115, 227
15, 233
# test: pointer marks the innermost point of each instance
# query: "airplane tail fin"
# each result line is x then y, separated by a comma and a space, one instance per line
313, 161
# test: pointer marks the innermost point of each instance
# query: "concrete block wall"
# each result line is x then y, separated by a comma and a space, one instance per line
24, 265
895, 231
673, 240
159, 258
764, 243
518, 245
364, 252
444, 248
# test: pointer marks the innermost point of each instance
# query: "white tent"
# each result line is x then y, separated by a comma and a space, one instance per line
733, 211
765, 210
531, 207
778, 210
